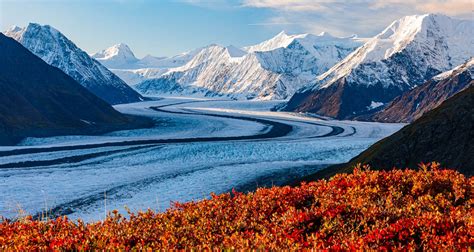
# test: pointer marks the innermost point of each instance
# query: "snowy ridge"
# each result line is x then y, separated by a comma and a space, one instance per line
469, 65
274, 69
280, 40
55, 49
429, 44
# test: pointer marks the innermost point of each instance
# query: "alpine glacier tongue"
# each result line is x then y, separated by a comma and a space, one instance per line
407, 53
56, 50
273, 69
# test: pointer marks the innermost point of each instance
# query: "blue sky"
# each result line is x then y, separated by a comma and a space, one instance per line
168, 27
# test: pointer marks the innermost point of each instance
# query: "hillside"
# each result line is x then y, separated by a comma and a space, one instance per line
430, 209
444, 134
412, 104
57, 50
37, 99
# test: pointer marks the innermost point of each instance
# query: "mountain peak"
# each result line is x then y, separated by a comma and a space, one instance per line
325, 34
282, 33
15, 32
117, 50
121, 46
46, 28
280, 40
408, 52
417, 31
235, 51
14, 28
57, 50
115, 56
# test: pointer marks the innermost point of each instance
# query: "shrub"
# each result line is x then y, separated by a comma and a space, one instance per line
398, 209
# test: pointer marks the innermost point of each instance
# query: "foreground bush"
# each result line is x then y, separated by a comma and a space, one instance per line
430, 208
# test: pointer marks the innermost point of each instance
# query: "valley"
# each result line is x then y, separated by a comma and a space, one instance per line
197, 146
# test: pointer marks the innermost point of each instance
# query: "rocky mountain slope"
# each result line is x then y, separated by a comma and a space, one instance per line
443, 134
273, 69
57, 50
414, 103
37, 99
406, 54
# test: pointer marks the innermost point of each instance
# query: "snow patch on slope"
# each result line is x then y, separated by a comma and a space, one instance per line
469, 65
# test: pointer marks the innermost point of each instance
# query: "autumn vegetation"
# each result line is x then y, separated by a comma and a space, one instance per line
430, 208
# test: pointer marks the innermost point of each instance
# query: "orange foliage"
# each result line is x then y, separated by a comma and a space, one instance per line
398, 209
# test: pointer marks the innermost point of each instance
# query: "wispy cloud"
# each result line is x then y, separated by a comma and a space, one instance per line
344, 17
272, 23
450, 7
212, 4
299, 5
275, 21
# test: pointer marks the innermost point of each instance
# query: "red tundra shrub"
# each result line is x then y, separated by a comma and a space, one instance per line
399, 209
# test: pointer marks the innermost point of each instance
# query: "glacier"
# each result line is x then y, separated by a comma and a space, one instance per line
86, 176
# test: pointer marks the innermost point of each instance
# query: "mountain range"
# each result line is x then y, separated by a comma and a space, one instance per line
343, 78
273, 69
39, 100
121, 60
57, 50
407, 53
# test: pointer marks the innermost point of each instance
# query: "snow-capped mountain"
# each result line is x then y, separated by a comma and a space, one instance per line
37, 99
57, 50
407, 53
116, 56
122, 61
412, 104
280, 40
273, 69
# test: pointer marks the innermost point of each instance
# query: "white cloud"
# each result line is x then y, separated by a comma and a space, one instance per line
344, 17
449, 7
276, 21
211, 4
341, 17
288, 5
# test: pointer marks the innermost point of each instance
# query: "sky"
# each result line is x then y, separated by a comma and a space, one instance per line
169, 27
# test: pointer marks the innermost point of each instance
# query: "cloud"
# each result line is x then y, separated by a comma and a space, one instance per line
450, 7
344, 17
276, 21
298, 5
340, 17
211, 4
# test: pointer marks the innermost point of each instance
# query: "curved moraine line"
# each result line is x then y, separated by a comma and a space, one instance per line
277, 129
